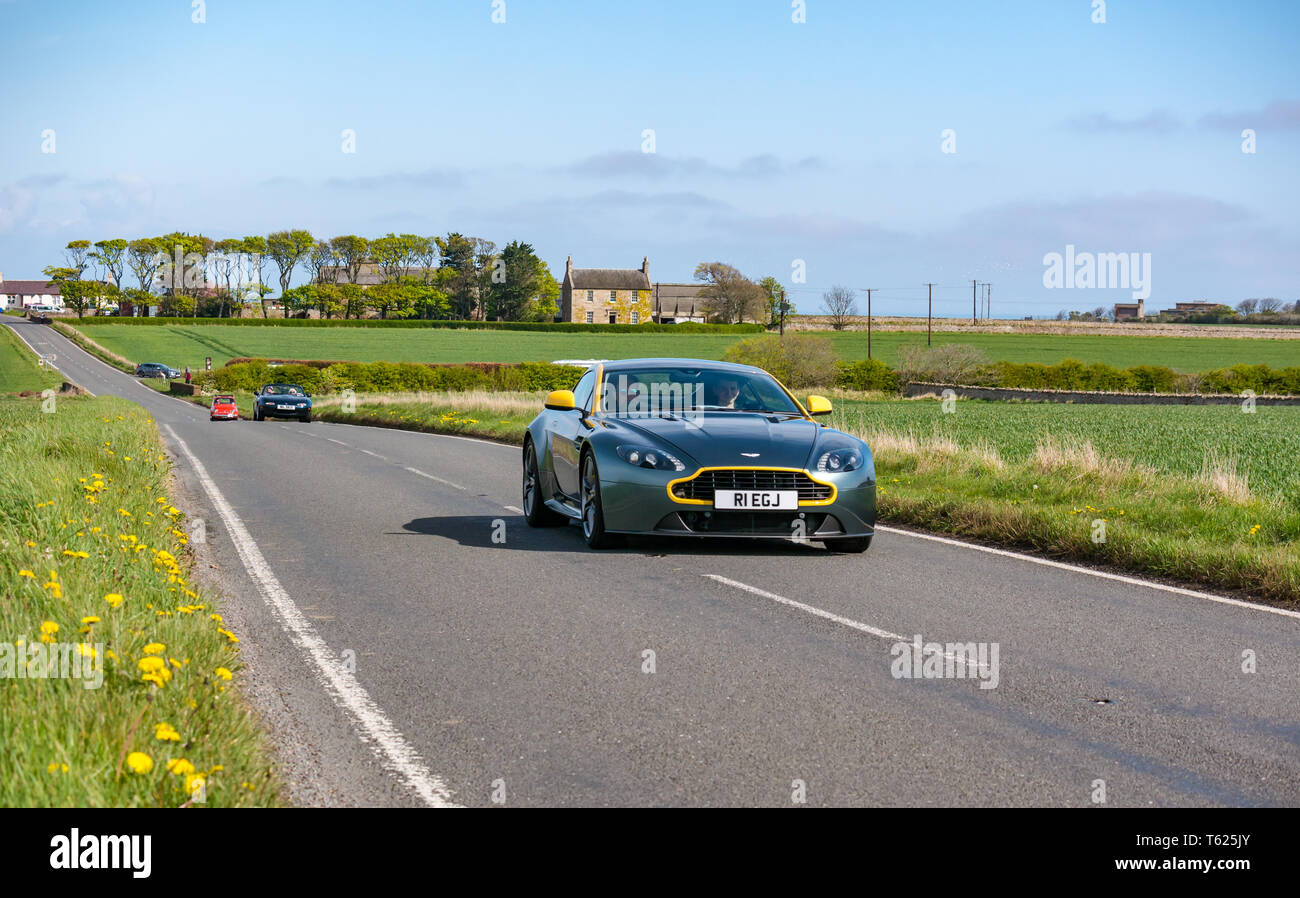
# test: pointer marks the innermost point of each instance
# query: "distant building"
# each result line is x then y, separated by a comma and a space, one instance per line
1183, 309
675, 303
1127, 311
20, 294
606, 295
368, 274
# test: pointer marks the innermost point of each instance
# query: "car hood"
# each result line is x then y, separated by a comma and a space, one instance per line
284, 397
724, 439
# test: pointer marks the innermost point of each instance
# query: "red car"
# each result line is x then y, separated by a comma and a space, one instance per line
224, 408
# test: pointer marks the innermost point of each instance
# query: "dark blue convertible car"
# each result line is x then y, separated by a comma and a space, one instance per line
281, 401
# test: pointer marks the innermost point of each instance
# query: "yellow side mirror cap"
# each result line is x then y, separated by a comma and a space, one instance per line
560, 401
819, 405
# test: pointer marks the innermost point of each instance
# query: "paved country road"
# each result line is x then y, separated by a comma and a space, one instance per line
482, 666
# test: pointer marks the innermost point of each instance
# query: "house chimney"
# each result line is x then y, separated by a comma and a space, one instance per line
568, 269
645, 265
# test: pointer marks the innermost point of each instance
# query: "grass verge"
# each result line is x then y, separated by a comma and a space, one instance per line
19, 369
95, 567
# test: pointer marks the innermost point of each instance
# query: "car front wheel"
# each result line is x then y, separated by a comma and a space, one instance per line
535, 510
593, 513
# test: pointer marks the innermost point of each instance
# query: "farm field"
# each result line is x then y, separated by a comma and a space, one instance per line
181, 345
1177, 441
18, 368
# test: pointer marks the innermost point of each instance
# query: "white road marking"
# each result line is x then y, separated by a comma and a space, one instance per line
1105, 575
375, 454
512, 508
374, 728
839, 619
340, 442
40, 355
431, 477
827, 615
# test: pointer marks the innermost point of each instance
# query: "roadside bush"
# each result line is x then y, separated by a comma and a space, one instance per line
389, 377
953, 363
1152, 378
871, 374
797, 360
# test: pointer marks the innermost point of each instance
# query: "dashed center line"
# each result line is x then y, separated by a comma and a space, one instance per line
826, 615
439, 479
512, 508
340, 442
375, 454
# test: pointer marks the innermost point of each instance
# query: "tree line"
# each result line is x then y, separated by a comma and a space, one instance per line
455, 276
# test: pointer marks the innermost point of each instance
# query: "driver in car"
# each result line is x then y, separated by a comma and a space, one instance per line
721, 391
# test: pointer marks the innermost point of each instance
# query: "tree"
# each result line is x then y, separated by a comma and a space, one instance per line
512, 296
352, 251
1270, 304
287, 249
728, 295
773, 293
112, 255
324, 257
76, 252
390, 253
144, 258
1248, 306
425, 253
840, 303
255, 248
458, 257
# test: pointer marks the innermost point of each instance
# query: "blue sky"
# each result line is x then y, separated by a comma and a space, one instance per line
775, 141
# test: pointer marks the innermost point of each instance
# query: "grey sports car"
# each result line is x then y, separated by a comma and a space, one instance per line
695, 448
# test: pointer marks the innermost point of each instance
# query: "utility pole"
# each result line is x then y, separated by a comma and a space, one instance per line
988, 300
869, 324
973, 309
781, 306
929, 314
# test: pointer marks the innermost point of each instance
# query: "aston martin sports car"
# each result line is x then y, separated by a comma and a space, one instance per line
683, 447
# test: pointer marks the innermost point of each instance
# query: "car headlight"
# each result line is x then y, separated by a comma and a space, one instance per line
647, 457
840, 461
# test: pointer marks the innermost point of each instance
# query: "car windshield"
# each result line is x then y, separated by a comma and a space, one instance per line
669, 389
224, 400
284, 390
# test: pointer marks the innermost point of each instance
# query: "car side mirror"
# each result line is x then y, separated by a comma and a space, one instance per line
561, 401
819, 405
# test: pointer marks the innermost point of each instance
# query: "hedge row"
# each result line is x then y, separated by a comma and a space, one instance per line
1075, 375
1097, 376
686, 327
389, 377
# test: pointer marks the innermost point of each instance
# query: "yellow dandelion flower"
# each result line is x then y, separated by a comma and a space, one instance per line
223, 673
151, 664
139, 762
165, 732
57, 767
113, 599
179, 767
154, 648
90, 619
26, 573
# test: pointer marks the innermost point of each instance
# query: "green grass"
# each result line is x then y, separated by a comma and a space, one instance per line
19, 370
180, 345
84, 506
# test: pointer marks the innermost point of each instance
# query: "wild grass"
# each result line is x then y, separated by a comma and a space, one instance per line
94, 562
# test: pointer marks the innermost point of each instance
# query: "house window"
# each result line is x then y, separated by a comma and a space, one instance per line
591, 295
613, 296
635, 317
590, 317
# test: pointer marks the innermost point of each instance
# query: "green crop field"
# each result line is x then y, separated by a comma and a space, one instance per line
1176, 440
181, 345
18, 368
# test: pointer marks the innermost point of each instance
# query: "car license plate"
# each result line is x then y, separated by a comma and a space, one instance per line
290, 407
757, 500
